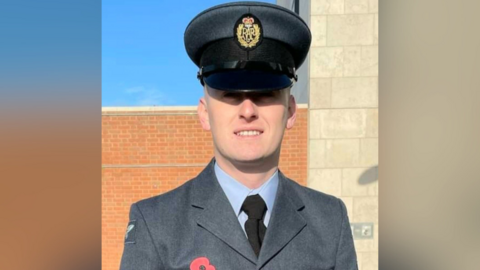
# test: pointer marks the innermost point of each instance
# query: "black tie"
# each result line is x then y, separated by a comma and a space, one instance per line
255, 208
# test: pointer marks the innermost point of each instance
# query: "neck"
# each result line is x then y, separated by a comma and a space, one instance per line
250, 174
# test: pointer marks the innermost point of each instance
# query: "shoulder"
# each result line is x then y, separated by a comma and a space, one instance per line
175, 205
174, 201
317, 202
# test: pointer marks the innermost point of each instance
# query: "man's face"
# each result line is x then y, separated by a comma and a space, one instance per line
247, 128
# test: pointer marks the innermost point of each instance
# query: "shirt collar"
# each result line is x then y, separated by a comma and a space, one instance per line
237, 193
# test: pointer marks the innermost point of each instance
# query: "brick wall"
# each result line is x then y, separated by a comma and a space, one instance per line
146, 152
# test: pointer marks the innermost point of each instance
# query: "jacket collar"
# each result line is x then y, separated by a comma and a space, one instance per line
217, 216
286, 222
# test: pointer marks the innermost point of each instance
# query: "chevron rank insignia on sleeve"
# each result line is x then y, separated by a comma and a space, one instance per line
130, 233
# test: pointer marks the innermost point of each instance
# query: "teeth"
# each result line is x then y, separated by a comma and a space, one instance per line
248, 133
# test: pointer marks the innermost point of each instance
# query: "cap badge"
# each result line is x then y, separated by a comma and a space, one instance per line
248, 31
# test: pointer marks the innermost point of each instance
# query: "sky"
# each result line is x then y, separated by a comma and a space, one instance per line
144, 62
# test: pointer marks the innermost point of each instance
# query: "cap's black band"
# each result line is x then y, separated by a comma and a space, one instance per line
248, 65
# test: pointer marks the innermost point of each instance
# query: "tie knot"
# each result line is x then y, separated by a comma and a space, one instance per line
254, 207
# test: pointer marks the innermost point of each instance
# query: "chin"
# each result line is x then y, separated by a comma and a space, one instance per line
248, 160
252, 159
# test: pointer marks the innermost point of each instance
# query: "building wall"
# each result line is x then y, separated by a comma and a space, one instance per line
343, 111
148, 151
300, 88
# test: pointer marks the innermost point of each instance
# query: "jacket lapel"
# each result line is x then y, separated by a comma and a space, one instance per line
215, 214
285, 222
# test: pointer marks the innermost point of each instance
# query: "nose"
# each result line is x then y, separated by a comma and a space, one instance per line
248, 110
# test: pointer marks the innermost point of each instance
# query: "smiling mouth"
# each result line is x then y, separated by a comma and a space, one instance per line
248, 133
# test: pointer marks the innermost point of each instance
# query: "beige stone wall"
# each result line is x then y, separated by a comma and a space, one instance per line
343, 111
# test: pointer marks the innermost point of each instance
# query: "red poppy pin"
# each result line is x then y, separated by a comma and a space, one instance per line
201, 263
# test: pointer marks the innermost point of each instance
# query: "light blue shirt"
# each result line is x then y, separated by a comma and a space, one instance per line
237, 193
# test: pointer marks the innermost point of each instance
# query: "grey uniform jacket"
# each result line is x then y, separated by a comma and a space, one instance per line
307, 230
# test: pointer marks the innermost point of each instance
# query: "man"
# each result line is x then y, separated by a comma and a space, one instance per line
241, 212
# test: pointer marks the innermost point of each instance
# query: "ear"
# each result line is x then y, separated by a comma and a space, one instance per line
292, 112
202, 111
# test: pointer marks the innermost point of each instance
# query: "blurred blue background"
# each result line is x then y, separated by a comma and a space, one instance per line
144, 62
